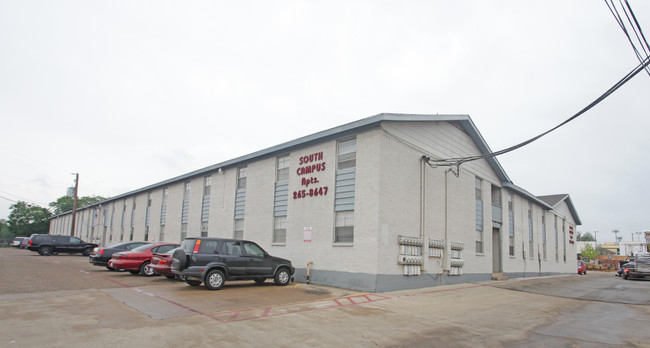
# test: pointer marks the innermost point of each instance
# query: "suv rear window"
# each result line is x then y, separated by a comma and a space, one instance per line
188, 245
208, 246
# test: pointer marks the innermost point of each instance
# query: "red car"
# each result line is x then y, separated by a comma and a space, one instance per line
582, 267
161, 263
136, 260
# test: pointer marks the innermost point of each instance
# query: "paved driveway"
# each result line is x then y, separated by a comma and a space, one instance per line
64, 301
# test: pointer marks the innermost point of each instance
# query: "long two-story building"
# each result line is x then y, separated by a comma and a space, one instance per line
367, 205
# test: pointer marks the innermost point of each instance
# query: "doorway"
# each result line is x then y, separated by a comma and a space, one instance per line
496, 251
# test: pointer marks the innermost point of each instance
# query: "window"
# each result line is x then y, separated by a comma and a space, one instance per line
233, 248
147, 218
241, 178
240, 203
185, 209
239, 229
208, 246
204, 229
282, 168
478, 193
511, 225
253, 249
531, 234
544, 235
183, 232
344, 227
205, 205
163, 207
280, 229
344, 196
161, 235
557, 255
564, 238
207, 182
347, 154
280, 202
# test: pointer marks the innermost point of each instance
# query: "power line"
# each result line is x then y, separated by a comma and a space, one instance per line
19, 199
635, 27
460, 160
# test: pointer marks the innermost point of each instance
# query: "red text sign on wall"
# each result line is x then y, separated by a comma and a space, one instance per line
571, 235
308, 166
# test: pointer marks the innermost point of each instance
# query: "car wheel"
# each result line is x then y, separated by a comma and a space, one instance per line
214, 280
283, 277
260, 280
179, 260
134, 272
45, 251
87, 251
585, 272
146, 270
193, 282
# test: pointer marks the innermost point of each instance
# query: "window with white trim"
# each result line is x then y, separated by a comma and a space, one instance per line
478, 193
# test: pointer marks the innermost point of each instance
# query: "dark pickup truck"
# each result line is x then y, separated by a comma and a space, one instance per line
639, 267
47, 244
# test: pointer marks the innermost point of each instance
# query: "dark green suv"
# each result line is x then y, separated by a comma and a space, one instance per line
212, 261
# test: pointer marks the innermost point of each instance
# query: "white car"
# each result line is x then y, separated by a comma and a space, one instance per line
16, 242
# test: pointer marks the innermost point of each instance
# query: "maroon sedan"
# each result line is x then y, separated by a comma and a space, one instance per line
161, 263
136, 261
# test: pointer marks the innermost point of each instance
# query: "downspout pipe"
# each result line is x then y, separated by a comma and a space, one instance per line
423, 210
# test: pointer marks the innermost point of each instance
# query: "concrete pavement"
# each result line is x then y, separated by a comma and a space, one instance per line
108, 309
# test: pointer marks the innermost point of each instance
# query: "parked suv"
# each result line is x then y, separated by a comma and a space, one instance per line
47, 244
212, 261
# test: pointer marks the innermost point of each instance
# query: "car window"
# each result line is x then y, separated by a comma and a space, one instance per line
143, 247
62, 239
208, 246
233, 248
133, 246
253, 249
166, 248
188, 245
75, 240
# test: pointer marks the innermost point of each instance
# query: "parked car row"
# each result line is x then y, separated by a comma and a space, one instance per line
211, 261
18, 242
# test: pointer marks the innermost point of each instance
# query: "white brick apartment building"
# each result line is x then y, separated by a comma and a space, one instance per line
362, 204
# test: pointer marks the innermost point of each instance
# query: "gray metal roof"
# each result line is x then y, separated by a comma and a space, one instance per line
347, 129
555, 200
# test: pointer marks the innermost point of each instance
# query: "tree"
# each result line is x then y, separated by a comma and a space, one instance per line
5, 235
587, 237
26, 219
589, 252
64, 204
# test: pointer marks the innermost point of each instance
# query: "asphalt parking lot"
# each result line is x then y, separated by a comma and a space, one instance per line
64, 301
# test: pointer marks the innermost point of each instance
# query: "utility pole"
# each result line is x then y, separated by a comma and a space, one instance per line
615, 232
74, 202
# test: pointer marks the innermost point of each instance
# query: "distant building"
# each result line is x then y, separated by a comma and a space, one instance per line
364, 202
611, 248
632, 248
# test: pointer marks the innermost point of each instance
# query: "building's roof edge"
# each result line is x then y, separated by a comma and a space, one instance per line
526, 194
555, 200
326, 135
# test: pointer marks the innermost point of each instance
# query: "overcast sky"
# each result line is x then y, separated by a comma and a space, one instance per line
130, 93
